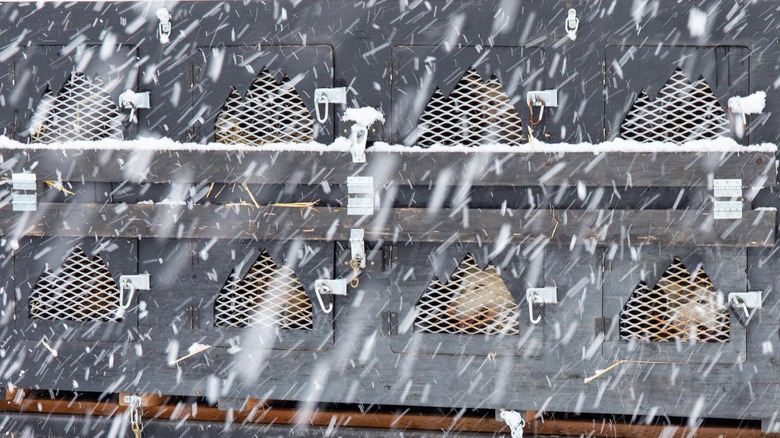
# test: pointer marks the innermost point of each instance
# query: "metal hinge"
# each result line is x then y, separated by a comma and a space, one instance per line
731, 189
21, 198
363, 204
727, 210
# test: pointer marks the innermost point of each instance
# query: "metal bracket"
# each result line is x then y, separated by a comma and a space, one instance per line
540, 295
164, 29
746, 300
727, 188
358, 246
327, 96
135, 100
21, 183
727, 210
131, 283
546, 98
572, 24
133, 401
329, 287
357, 138
362, 205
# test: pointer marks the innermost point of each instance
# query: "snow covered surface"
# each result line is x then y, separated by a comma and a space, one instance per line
342, 144
751, 104
365, 116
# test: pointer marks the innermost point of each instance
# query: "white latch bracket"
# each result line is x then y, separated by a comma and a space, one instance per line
545, 98
25, 195
131, 284
542, 296
358, 246
746, 300
357, 138
327, 96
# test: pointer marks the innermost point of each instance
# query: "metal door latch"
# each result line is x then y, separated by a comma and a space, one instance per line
542, 296
572, 24
358, 246
327, 96
131, 283
543, 98
358, 137
21, 198
329, 287
164, 29
746, 300
363, 204
134, 100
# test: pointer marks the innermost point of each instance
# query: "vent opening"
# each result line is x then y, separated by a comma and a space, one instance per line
475, 112
270, 112
79, 290
680, 306
82, 111
475, 301
267, 296
682, 111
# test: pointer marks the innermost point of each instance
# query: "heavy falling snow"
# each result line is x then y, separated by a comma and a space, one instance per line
389, 218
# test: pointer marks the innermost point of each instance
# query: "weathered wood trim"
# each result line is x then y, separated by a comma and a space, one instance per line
602, 227
269, 166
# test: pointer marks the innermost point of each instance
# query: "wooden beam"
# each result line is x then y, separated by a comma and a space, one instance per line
602, 227
383, 420
270, 166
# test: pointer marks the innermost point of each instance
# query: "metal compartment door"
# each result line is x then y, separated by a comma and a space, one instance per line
646, 97
258, 95
67, 289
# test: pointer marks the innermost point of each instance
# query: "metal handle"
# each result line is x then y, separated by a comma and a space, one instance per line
539, 102
129, 285
321, 99
532, 299
323, 290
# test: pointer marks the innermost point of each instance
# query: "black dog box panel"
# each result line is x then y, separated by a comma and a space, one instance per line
257, 95
470, 95
671, 304
462, 300
71, 93
253, 294
683, 97
68, 289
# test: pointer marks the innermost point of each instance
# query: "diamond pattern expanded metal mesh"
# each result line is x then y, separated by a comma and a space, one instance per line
82, 111
267, 296
475, 301
681, 306
475, 112
682, 111
269, 112
79, 290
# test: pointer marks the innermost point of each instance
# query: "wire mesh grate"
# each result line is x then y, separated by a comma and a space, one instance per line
79, 290
270, 112
475, 112
682, 111
82, 111
681, 306
475, 301
267, 296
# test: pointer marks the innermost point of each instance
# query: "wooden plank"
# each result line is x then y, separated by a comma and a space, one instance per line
603, 227
269, 166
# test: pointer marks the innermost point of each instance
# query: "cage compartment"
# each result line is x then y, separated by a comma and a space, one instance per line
256, 294
683, 97
258, 95
73, 95
455, 301
469, 95
671, 305
68, 288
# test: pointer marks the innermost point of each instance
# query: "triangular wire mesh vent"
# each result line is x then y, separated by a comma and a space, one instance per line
79, 290
267, 296
682, 111
476, 112
82, 111
680, 306
270, 112
475, 301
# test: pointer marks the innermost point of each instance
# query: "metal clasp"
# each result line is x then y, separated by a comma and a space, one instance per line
164, 29
132, 283
746, 300
542, 296
134, 100
327, 96
572, 24
329, 287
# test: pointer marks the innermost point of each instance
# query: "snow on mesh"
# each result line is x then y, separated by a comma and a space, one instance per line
269, 112
475, 301
682, 111
267, 296
79, 290
680, 306
475, 112
82, 111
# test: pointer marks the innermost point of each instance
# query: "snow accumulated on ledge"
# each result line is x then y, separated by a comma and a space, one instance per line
342, 144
